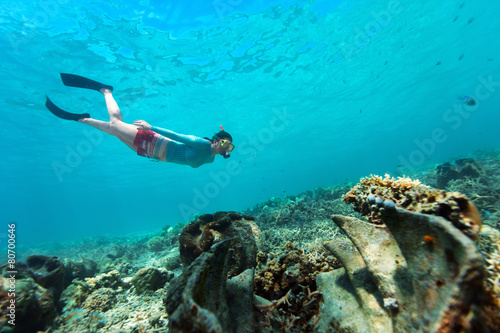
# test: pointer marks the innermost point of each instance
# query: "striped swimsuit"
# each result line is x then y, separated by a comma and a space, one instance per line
168, 146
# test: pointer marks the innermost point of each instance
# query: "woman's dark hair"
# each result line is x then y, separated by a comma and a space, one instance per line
223, 135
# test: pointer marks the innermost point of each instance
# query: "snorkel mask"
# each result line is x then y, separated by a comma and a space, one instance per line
228, 148
225, 142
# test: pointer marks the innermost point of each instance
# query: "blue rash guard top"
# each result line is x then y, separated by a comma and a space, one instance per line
186, 149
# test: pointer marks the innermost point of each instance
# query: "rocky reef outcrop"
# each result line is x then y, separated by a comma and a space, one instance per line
369, 195
199, 236
48, 272
411, 270
79, 269
35, 287
213, 248
462, 168
150, 278
202, 299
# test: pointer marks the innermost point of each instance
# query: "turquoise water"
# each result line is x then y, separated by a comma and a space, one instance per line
315, 93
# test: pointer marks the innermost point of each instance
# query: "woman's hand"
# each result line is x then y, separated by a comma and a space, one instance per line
142, 125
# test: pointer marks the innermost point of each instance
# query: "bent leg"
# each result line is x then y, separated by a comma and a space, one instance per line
113, 109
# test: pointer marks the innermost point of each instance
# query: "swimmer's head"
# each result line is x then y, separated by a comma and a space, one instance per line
226, 142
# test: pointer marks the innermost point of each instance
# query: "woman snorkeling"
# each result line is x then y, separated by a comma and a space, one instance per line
141, 137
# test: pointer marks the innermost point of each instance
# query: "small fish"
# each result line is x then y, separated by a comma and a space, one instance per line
467, 100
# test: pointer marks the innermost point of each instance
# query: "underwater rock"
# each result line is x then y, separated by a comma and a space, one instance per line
111, 280
370, 308
490, 242
429, 275
197, 300
74, 295
198, 237
150, 279
34, 307
48, 272
465, 167
172, 261
240, 296
412, 195
468, 167
120, 252
156, 244
79, 269
446, 172
100, 300
340, 309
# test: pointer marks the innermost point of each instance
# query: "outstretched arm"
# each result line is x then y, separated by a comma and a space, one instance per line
167, 133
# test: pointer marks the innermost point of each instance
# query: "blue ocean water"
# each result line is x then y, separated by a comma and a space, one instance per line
314, 93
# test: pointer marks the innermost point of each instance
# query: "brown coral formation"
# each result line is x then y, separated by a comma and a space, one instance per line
289, 280
100, 300
209, 229
290, 270
493, 267
150, 278
34, 307
369, 195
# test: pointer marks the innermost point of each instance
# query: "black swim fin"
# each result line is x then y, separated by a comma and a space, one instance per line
72, 80
58, 112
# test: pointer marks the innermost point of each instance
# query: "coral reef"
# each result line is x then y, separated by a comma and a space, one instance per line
197, 300
34, 305
198, 237
172, 260
100, 300
111, 280
289, 281
107, 302
493, 261
156, 244
80, 320
407, 268
79, 269
368, 197
150, 279
434, 285
292, 268
302, 210
48, 272
463, 168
